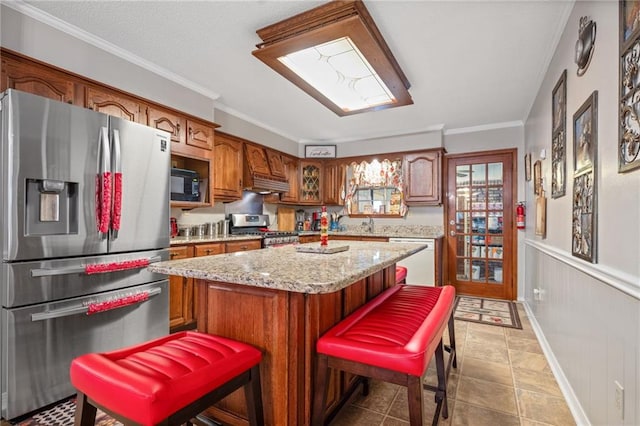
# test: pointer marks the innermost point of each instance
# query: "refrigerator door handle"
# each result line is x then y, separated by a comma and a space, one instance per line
96, 268
103, 184
117, 185
97, 307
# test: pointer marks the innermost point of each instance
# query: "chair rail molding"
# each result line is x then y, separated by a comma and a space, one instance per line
622, 281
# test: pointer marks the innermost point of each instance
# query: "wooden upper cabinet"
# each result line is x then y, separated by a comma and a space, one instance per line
256, 159
114, 103
170, 122
200, 134
310, 182
189, 136
227, 167
275, 163
333, 178
37, 80
292, 172
422, 176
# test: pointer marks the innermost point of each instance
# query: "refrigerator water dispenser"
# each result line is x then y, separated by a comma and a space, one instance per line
51, 207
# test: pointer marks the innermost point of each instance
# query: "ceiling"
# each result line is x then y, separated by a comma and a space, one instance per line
470, 63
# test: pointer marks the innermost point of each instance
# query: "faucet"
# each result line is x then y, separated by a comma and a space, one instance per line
369, 225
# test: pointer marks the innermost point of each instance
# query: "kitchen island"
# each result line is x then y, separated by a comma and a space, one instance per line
281, 301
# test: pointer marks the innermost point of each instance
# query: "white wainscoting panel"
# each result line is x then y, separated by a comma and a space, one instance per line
591, 327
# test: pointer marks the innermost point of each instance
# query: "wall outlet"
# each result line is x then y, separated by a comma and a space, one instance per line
619, 399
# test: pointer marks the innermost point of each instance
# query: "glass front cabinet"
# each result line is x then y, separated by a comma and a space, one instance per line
311, 182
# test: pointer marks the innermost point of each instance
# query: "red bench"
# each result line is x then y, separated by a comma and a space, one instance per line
166, 381
401, 274
392, 338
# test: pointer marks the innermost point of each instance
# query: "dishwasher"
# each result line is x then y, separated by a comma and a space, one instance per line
421, 265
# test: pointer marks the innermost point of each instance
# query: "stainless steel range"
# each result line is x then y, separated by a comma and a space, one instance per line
84, 208
257, 224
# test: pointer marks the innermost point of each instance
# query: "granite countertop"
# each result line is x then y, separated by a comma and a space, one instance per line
218, 239
283, 268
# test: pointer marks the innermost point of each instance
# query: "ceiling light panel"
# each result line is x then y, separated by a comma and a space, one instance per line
336, 54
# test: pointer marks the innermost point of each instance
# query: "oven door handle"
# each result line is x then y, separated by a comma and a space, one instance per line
83, 269
85, 309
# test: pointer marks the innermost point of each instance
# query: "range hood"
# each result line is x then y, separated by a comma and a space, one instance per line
263, 170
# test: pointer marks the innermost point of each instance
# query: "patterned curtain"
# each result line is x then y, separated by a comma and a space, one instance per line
376, 174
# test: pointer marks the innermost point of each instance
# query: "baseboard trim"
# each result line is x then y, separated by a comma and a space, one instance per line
575, 407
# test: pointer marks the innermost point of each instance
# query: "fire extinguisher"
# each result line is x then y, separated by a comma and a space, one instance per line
520, 215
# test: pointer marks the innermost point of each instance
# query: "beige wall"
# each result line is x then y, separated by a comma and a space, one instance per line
35, 39
588, 314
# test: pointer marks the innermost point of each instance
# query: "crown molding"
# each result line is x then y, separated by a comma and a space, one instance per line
245, 117
82, 35
484, 127
428, 129
544, 69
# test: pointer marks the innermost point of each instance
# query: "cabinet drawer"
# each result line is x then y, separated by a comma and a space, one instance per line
243, 245
180, 252
209, 249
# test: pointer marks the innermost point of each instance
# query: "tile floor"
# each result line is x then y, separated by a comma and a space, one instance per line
502, 379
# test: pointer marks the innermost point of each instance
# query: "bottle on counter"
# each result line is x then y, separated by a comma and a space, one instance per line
324, 227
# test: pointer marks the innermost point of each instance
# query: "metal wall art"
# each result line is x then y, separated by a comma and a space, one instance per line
629, 94
585, 148
558, 137
583, 242
584, 44
585, 135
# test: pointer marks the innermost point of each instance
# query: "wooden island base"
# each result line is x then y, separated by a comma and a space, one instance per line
285, 325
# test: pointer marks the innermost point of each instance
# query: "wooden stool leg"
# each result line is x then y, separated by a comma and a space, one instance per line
320, 393
366, 386
416, 400
452, 341
85, 412
441, 393
253, 395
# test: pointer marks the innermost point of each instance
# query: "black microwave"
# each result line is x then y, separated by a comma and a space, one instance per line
185, 185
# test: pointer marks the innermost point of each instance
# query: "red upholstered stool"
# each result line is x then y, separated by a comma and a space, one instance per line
392, 338
166, 381
401, 275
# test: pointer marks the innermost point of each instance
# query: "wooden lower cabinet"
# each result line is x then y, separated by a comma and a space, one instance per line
181, 295
245, 245
358, 238
333, 237
209, 249
308, 238
285, 327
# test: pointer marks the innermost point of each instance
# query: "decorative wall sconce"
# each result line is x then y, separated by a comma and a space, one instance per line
585, 43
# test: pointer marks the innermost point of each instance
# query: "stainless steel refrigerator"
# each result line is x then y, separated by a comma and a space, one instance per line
84, 207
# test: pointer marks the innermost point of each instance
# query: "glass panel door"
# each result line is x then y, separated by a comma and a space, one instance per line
480, 230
